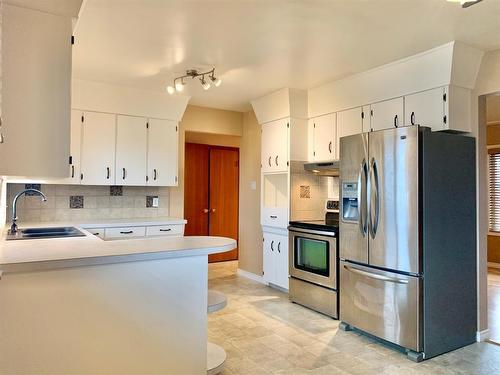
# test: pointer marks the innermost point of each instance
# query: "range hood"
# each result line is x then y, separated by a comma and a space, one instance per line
326, 168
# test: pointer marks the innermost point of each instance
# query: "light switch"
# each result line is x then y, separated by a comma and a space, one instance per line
253, 185
156, 202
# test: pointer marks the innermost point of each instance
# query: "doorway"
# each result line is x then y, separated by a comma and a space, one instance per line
493, 239
211, 193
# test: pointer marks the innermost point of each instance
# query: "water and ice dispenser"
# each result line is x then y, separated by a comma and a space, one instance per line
350, 208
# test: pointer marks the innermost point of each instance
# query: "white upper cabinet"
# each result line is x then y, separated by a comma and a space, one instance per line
36, 93
426, 108
442, 108
163, 140
131, 150
75, 147
350, 122
274, 156
386, 114
324, 129
98, 148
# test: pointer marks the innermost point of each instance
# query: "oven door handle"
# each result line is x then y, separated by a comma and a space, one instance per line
310, 231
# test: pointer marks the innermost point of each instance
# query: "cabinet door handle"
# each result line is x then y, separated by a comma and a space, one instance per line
72, 171
273, 216
107, 173
165, 230
1, 138
124, 173
206, 210
330, 147
272, 245
127, 232
412, 118
279, 245
213, 210
96, 233
276, 159
154, 174
396, 121
269, 161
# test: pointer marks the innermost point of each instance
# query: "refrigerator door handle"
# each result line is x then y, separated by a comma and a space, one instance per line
362, 198
375, 195
375, 275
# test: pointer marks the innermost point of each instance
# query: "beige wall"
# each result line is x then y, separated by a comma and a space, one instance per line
488, 82
213, 139
250, 229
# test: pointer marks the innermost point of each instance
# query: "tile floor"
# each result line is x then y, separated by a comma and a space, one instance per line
494, 304
263, 333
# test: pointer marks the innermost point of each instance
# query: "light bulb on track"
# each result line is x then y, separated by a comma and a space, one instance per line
170, 90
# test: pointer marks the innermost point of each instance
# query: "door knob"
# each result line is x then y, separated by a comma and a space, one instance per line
205, 210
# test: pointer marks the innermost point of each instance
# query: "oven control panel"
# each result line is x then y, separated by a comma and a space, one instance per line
332, 205
350, 211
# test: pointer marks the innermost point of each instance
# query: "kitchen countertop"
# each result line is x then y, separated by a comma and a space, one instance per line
52, 253
106, 223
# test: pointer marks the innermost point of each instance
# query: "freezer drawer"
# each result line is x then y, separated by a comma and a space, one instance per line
384, 304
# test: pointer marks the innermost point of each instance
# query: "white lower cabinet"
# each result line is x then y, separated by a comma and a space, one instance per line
98, 232
124, 233
275, 259
165, 230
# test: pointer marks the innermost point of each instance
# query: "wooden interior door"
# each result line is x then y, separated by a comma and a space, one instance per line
196, 198
223, 191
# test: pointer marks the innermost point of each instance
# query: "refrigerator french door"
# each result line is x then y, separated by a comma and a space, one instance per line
379, 227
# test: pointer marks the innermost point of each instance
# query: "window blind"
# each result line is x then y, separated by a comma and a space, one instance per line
494, 189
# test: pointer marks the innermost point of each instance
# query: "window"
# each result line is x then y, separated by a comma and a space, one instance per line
494, 189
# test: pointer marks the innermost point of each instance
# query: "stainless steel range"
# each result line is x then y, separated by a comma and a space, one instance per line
313, 255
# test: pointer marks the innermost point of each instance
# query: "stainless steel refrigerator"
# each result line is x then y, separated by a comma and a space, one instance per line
408, 238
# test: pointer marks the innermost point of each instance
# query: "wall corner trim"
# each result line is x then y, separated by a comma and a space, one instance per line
251, 276
483, 335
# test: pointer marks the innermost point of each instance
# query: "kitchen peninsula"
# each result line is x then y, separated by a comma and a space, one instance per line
87, 306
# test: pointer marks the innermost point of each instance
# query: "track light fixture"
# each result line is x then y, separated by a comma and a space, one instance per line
465, 3
193, 73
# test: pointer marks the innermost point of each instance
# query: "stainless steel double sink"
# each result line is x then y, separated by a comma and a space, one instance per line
52, 232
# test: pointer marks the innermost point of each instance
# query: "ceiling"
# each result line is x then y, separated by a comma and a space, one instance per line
259, 46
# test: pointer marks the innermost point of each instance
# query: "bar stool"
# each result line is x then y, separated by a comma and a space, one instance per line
216, 355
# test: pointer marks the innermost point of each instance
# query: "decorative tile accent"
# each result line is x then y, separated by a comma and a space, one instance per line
149, 201
32, 186
305, 191
116, 191
76, 201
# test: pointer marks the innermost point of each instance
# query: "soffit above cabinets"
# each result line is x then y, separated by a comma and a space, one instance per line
260, 47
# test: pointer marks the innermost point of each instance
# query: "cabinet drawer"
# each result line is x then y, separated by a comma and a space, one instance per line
98, 232
124, 232
274, 217
165, 230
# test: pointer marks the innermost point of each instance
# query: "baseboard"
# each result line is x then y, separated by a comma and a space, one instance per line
482, 335
251, 276
493, 265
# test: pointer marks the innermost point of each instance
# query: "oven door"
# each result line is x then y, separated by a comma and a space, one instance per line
313, 257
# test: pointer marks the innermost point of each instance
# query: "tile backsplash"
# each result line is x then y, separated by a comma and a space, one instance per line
309, 193
78, 202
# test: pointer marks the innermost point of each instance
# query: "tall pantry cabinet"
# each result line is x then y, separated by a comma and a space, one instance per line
283, 119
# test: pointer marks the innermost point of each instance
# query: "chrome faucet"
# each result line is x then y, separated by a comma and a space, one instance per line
13, 227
